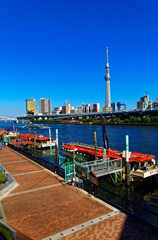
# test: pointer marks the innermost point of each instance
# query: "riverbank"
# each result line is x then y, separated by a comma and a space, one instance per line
95, 122
44, 207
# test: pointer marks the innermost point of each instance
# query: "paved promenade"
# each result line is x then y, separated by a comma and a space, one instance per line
42, 206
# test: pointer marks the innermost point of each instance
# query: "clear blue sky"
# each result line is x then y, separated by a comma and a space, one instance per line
57, 49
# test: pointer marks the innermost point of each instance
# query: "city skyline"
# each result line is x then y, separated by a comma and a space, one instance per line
57, 50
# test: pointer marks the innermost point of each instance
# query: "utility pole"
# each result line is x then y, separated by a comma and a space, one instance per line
34, 133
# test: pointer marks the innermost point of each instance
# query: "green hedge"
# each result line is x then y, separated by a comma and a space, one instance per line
3, 178
6, 233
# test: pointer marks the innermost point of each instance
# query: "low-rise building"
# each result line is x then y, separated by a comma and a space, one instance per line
144, 103
66, 109
92, 107
121, 106
155, 104
57, 110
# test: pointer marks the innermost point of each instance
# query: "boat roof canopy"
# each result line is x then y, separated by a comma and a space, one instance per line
31, 136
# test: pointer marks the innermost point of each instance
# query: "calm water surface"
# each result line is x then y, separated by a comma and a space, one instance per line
142, 139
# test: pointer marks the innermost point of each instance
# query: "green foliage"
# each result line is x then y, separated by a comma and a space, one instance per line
115, 120
154, 119
47, 121
133, 119
6, 232
3, 178
136, 119
126, 120
86, 120
146, 120
103, 120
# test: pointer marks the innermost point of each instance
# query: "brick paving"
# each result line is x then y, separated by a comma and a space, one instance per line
48, 211
55, 208
21, 167
114, 228
11, 158
39, 179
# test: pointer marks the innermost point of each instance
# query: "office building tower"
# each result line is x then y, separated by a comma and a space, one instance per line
45, 106
31, 108
107, 107
113, 105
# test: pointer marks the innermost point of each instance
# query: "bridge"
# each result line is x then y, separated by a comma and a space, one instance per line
95, 115
3, 118
99, 167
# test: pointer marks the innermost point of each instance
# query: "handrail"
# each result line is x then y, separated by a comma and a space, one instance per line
125, 199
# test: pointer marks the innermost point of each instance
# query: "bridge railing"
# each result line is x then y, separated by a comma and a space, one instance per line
99, 167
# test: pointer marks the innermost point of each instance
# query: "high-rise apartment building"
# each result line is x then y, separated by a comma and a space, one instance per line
45, 106
31, 108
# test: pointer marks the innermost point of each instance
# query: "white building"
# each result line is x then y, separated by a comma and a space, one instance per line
57, 110
155, 104
144, 103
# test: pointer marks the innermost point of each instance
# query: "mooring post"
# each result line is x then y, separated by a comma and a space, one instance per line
104, 153
34, 133
115, 176
74, 162
50, 141
57, 148
127, 167
95, 145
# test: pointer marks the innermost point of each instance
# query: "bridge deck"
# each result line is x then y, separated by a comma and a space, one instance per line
99, 167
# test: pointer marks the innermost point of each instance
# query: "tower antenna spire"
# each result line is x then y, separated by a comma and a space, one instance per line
107, 54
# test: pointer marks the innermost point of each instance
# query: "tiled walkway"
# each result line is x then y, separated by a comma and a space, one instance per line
43, 207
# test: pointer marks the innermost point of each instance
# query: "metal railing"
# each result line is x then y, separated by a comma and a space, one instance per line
99, 167
144, 214
49, 164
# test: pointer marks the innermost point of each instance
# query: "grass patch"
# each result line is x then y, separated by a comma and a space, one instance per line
6, 233
3, 179
2, 184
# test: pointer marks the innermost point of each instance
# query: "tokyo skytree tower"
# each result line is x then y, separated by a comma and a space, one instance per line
107, 79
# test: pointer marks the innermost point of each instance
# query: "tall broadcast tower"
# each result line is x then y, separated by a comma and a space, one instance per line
107, 107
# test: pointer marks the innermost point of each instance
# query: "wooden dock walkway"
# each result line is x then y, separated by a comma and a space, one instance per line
42, 206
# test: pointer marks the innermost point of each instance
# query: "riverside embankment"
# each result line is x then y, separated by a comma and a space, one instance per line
140, 121
43, 207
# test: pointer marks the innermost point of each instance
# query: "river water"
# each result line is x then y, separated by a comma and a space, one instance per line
143, 139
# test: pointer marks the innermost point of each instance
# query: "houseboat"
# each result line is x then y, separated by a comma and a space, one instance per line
8, 133
142, 165
34, 141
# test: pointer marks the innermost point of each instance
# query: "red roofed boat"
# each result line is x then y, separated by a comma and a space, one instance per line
142, 165
34, 141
